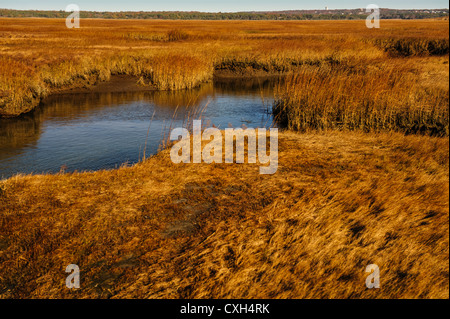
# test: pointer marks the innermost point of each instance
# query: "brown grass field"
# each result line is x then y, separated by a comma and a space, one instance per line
338, 202
363, 172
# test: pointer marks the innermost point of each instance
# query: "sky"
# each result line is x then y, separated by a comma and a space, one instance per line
218, 6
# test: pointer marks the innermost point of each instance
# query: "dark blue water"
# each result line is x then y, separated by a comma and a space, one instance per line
87, 132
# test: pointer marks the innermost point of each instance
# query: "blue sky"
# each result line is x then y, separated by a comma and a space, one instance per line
215, 6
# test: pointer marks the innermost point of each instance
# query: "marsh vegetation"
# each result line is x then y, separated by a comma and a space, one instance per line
363, 172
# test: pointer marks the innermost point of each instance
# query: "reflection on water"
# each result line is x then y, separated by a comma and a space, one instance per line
104, 130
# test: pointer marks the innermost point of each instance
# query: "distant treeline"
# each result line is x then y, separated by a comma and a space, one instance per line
348, 14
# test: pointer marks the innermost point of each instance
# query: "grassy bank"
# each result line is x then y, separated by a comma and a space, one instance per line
338, 202
390, 96
41, 56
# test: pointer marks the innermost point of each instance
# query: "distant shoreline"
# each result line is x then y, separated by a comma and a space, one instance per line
318, 14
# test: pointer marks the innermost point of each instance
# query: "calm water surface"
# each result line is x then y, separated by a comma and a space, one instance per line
94, 131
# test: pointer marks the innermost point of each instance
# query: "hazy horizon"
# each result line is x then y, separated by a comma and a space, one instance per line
200, 11
229, 6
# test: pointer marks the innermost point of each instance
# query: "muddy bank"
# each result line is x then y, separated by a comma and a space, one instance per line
226, 74
117, 83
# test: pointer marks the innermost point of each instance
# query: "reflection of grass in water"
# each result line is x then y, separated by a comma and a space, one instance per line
16, 133
190, 97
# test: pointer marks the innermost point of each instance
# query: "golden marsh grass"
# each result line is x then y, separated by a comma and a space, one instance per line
338, 202
341, 199
383, 96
